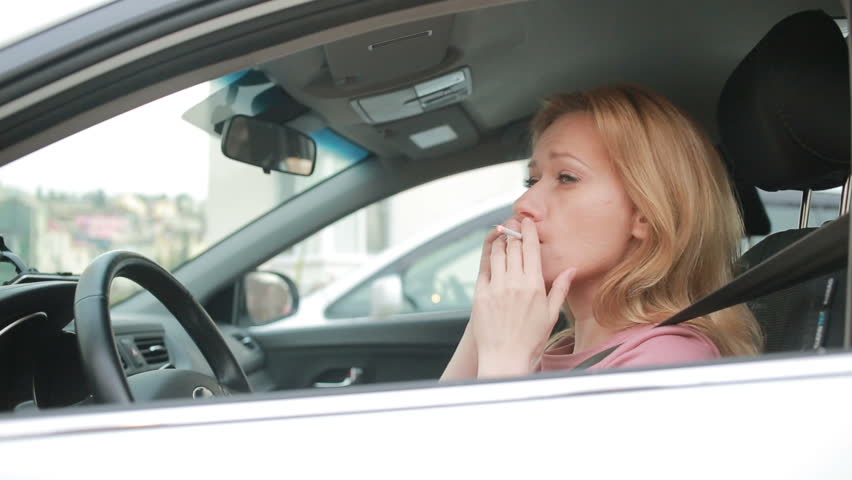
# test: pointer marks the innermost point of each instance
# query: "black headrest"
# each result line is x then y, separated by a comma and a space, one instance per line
784, 112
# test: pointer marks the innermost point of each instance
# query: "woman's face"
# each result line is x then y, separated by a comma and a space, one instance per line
583, 216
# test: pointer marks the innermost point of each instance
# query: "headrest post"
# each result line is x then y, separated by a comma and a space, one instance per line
805, 211
845, 197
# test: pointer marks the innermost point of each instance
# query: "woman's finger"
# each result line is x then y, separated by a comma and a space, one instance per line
531, 248
485, 260
558, 291
498, 258
514, 257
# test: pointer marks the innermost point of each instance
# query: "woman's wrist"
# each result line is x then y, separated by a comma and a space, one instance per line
503, 364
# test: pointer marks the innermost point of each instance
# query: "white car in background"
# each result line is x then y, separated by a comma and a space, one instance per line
432, 272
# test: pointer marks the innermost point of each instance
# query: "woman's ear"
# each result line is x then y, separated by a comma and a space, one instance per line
641, 227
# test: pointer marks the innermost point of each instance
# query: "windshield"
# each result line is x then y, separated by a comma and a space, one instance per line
152, 180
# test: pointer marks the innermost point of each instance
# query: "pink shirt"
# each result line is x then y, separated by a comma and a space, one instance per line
642, 345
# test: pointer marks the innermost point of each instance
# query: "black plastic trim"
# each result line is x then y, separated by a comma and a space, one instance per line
96, 36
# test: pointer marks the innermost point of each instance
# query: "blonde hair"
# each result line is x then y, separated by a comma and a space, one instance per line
678, 183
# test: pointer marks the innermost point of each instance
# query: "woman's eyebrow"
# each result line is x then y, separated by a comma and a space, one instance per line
555, 155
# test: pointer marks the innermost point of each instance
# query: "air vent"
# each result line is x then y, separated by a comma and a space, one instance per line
153, 349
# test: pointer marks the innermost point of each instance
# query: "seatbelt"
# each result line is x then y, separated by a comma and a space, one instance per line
812, 256
594, 359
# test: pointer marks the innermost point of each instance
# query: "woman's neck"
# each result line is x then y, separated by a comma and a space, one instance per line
588, 332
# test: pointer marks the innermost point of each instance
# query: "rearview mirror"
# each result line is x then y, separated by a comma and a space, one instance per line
268, 145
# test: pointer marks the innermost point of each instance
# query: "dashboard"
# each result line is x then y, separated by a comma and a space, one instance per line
39, 361
40, 364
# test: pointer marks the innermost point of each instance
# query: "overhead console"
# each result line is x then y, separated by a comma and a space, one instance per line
407, 89
402, 79
407, 102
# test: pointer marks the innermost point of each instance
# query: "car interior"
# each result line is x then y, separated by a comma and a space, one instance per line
427, 97
764, 130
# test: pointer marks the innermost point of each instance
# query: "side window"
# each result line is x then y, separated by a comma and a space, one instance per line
355, 304
783, 209
417, 251
444, 280
441, 280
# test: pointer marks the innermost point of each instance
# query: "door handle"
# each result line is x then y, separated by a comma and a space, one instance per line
354, 377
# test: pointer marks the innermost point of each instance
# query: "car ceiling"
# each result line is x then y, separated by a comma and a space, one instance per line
519, 53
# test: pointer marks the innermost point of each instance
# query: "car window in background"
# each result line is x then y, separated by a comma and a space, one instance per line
153, 181
440, 276
443, 280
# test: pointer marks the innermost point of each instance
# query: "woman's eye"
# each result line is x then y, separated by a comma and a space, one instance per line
566, 178
529, 182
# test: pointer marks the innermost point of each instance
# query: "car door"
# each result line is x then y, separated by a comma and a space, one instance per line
399, 321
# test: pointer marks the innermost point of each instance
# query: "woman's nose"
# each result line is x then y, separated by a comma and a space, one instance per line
528, 205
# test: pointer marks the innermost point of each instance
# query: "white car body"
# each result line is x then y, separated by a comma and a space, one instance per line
529, 428
777, 416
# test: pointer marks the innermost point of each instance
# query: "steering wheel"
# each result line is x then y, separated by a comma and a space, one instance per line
100, 358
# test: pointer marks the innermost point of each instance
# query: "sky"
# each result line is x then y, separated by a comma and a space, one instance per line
148, 150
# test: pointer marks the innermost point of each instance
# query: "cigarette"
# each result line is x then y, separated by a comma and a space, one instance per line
509, 231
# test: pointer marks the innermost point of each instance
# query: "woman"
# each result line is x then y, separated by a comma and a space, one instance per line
629, 218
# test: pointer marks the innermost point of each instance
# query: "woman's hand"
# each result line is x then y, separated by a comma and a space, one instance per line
464, 363
512, 314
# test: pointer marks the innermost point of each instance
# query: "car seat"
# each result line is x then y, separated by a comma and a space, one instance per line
784, 125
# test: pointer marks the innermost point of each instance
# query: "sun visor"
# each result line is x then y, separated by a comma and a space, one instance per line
250, 93
391, 53
434, 133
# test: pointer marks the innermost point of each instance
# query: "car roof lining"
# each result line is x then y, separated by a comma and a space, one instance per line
516, 44
692, 84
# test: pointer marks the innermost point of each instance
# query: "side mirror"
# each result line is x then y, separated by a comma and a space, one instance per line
268, 145
386, 297
269, 296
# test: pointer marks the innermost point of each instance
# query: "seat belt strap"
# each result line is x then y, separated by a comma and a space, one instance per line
812, 256
594, 359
